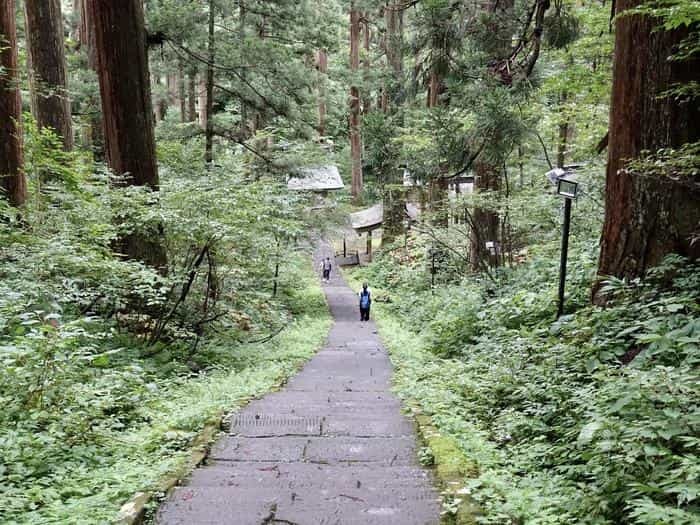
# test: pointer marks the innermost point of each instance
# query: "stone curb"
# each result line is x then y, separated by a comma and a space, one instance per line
134, 510
450, 465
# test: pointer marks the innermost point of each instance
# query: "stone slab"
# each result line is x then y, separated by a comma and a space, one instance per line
280, 449
382, 451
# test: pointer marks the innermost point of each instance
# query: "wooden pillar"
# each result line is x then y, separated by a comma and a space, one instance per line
369, 245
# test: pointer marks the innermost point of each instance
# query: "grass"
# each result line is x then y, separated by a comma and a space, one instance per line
116, 464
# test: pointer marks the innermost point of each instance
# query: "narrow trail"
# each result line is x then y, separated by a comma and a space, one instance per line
331, 448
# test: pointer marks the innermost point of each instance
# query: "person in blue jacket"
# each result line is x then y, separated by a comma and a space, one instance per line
365, 303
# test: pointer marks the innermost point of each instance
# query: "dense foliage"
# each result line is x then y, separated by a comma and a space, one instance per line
110, 368
589, 419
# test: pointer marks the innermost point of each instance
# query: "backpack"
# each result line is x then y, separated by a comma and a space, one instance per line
364, 299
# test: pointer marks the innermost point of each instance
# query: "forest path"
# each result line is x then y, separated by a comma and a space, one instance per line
331, 448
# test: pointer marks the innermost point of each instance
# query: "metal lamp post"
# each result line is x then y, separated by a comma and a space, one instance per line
567, 187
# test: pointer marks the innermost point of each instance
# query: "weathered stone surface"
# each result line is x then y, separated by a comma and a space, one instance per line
333, 448
271, 449
391, 425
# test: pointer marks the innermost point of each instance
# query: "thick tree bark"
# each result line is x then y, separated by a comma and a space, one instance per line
209, 128
485, 222
438, 184
647, 217
47, 59
12, 181
322, 65
176, 91
395, 195
435, 89
366, 64
394, 215
127, 109
125, 90
355, 138
86, 40
192, 96
161, 109
393, 17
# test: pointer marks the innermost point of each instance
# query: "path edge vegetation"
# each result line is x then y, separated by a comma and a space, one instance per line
439, 451
143, 505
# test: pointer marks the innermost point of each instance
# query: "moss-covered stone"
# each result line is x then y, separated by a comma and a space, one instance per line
451, 467
450, 462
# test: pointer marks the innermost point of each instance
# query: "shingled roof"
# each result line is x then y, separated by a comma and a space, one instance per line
316, 178
371, 218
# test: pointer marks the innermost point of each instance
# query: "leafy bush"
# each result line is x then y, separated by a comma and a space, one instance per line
108, 368
589, 419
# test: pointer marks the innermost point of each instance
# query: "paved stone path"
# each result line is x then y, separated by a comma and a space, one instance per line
332, 448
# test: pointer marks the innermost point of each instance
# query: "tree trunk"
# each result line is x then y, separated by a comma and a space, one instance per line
192, 96
86, 40
209, 128
563, 132
322, 64
202, 101
487, 171
245, 130
161, 100
485, 222
120, 40
12, 180
47, 59
395, 195
394, 215
433, 90
366, 65
171, 82
646, 218
438, 185
355, 140
181, 95
393, 16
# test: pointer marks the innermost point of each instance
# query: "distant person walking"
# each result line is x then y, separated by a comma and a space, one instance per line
365, 303
326, 268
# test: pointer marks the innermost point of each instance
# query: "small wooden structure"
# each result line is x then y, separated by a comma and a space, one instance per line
366, 221
318, 179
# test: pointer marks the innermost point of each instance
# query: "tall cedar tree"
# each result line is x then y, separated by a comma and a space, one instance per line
394, 194
120, 49
86, 40
647, 218
355, 137
209, 109
486, 223
47, 59
12, 180
322, 66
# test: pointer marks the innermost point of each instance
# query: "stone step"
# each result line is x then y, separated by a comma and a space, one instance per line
221, 505
390, 451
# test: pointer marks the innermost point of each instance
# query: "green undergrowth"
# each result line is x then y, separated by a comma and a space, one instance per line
592, 418
123, 424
